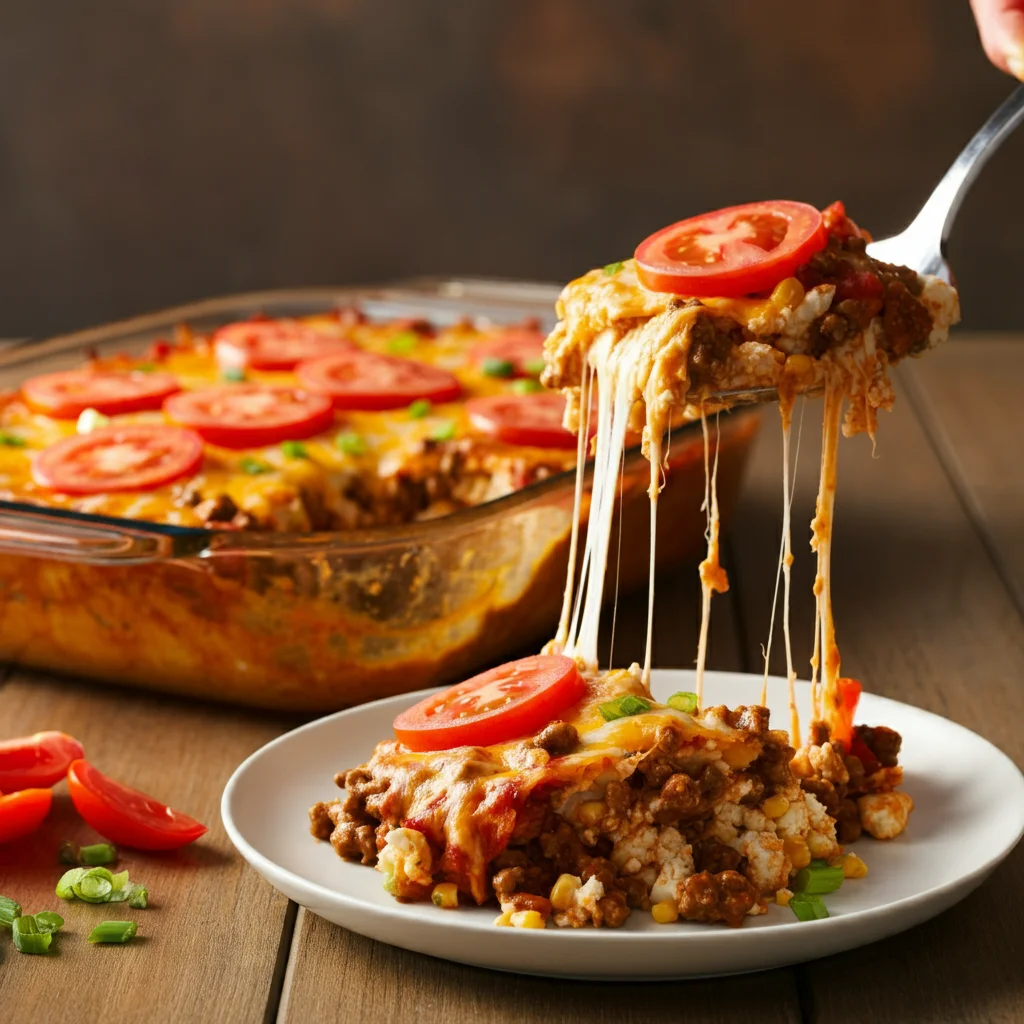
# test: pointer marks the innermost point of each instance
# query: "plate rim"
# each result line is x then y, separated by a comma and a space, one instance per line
836, 925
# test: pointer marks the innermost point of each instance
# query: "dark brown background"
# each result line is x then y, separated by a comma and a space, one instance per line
152, 152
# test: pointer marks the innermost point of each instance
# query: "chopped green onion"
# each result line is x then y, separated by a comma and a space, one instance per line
92, 889
252, 466
139, 897
9, 910
11, 440
350, 444
527, 386
808, 907
444, 431
48, 921
68, 853
145, 367
97, 853
27, 936
613, 268
419, 409
113, 931
402, 344
534, 367
65, 887
234, 374
294, 450
494, 367
122, 888
683, 700
817, 881
623, 707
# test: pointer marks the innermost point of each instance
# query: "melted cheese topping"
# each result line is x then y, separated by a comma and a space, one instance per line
393, 441
637, 343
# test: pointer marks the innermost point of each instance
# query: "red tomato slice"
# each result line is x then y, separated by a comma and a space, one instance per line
124, 815
272, 344
250, 415
519, 346
735, 251
133, 457
30, 762
22, 813
532, 420
66, 395
366, 380
501, 704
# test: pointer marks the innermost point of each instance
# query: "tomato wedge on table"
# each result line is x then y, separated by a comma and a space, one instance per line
533, 420
250, 415
30, 762
23, 812
133, 457
66, 395
272, 344
506, 702
366, 380
519, 346
124, 815
730, 252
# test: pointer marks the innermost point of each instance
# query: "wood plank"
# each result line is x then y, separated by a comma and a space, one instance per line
209, 945
969, 395
923, 617
343, 977
335, 975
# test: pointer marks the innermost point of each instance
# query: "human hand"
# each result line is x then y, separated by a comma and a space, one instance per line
1001, 24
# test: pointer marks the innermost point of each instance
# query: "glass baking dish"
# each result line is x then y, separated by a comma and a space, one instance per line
316, 621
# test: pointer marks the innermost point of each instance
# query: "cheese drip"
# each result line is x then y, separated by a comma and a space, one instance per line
713, 578
826, 651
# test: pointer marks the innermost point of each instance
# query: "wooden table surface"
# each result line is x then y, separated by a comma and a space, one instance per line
929, 595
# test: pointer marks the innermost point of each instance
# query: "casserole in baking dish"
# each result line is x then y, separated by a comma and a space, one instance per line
383, 551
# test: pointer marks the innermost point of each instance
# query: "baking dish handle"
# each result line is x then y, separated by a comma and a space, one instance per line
92, 540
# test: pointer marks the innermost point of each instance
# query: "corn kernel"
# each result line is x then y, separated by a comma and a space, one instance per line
853, 866
797, 851
820, 846
562, 891
739, 755
665, 912
504, 920
445, 894
783, 896
775, 806
800, 367
789, 292
591, 812
527, 919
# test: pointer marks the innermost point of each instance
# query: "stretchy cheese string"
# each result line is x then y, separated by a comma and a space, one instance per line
712, 575
562, 636
614, 399
618, 564
654, 453
824, 527
826, 652
785, 562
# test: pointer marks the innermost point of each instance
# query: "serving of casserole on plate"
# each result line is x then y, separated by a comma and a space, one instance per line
186, 508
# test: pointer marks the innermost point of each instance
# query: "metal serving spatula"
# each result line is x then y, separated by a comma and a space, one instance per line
922, 245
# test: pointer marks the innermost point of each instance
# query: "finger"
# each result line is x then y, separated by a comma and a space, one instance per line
1001, 25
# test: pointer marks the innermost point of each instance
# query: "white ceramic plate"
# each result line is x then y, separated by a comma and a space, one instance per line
969, 815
